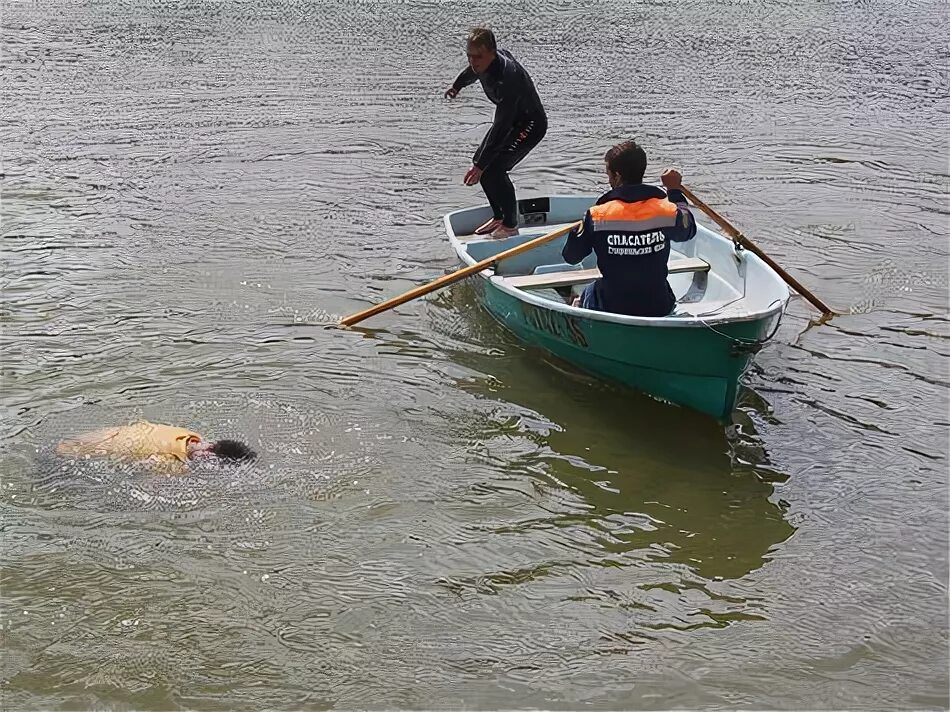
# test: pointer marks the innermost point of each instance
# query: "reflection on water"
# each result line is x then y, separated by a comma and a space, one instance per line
648, 507
657, 482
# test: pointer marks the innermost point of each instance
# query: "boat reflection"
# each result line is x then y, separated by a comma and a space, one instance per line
657, 482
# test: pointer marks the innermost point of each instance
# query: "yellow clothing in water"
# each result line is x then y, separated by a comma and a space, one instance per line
139, 441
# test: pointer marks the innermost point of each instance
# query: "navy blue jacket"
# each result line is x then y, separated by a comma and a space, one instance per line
509, 87
630, 229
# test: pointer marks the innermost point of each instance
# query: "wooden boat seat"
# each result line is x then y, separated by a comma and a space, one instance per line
565, 279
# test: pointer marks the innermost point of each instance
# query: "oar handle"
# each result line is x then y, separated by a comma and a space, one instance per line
745, 242
455, 276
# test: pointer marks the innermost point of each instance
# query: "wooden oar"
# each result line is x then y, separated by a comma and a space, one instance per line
455, 276
751, 247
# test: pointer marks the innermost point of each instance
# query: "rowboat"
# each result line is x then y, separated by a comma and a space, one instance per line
729, 303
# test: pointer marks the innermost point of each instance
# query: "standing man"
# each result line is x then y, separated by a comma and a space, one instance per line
519, 125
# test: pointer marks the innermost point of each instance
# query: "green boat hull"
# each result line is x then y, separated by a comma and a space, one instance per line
697, 367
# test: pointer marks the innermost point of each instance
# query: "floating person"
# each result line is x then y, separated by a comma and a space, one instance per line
164, 448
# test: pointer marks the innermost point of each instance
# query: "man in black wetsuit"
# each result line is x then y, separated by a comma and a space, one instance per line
519, 124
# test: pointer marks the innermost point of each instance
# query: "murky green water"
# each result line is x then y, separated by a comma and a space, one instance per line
441, 518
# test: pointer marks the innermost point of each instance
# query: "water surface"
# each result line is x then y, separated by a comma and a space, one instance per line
439, 516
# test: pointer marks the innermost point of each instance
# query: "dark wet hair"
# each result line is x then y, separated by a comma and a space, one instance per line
629, 160
482, 37
232, 450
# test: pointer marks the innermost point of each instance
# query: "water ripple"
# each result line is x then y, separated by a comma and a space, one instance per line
440, 515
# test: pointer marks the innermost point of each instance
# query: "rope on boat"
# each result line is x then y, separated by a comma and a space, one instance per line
744, 345
749, 345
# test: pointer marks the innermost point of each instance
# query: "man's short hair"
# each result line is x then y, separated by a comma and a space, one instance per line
232, 450
482, 37
629, 160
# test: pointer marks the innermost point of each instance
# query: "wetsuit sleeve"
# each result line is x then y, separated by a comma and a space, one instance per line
467, 77
685, 228
505, 113
579, 242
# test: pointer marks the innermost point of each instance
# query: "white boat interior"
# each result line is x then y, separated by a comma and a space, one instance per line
712, 281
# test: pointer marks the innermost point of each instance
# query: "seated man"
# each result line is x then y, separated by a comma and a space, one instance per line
630, 228
164, 447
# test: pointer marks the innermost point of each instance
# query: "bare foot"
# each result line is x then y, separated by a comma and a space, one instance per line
501, 232
487, 227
